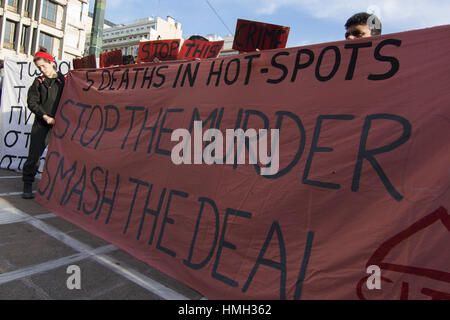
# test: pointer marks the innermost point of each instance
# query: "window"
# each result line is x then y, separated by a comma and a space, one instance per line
13, 5
10, 34
36, 12
25, 39
81, 11
49, 11
27, 8
46, 41
33, 39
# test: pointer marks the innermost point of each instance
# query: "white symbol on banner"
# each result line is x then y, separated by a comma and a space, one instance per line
74, 281
374, 281
374, 22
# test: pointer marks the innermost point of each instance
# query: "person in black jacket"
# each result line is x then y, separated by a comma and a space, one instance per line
43, 99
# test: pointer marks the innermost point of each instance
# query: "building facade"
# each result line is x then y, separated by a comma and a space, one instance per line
106, 25
127, 37
227, 48
57, 25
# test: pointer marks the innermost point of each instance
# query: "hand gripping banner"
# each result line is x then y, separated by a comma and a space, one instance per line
280, 174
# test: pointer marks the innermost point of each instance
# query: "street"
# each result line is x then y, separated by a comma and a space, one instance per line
37, 248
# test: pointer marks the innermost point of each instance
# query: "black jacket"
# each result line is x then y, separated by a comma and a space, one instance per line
44, 95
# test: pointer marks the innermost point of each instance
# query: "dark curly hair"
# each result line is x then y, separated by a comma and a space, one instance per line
197, 37
361, 19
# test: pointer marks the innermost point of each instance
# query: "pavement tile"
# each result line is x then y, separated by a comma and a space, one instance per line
20, 290
12, 185
76, 232
23, 245
97, 282
9, 173
28, 206
154, 273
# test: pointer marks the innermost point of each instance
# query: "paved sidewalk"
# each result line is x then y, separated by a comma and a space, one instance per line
37, 247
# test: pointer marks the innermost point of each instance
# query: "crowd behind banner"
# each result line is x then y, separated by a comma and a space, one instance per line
16, 119
250, 36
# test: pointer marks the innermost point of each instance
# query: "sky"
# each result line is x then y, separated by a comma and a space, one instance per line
310, 21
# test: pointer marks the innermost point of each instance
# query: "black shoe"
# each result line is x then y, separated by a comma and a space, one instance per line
28, 191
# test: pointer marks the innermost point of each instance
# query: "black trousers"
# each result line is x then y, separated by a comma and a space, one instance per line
39, 138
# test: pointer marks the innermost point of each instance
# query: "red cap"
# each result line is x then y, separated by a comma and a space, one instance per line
44, 55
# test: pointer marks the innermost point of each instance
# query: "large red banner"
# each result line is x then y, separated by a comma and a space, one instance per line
361, 181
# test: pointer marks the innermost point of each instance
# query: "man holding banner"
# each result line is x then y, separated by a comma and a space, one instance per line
43, 100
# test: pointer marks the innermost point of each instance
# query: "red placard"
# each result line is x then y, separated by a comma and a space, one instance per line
252, 35
164, 50
196, 49
112, 58
85, 62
